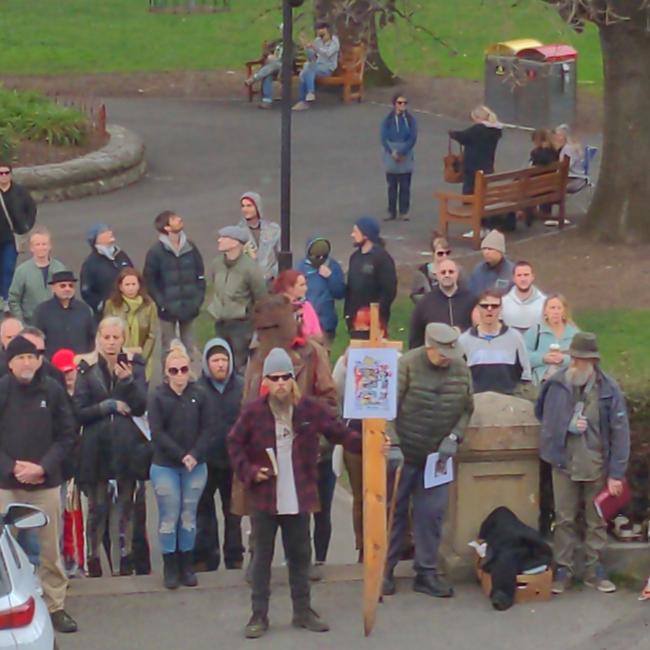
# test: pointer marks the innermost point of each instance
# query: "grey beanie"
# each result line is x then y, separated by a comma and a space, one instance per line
278, 361
235, 232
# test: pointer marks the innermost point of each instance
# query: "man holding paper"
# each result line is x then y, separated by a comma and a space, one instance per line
434, 406
273, 449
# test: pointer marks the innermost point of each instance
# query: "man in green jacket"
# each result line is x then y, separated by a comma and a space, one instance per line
30, 285
237, 284
434, 406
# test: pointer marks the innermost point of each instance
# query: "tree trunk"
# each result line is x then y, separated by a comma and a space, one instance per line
620, 210
355, 22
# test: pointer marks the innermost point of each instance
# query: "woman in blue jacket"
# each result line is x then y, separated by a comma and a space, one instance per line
325, 283
399, 134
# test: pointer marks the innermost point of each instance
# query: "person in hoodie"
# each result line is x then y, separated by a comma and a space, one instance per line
325, 284
224, 388
175, 278
263, 243
238, 284
447, 302
523, 305
371, 272
399, 133
101, 268
495, 272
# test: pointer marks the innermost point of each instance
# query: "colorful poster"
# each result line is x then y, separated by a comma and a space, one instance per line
371, 384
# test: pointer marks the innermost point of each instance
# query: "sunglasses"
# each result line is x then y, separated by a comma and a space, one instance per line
446, 272
443, 253
489, 306
183, 370
401, 102
5, 172
276, 378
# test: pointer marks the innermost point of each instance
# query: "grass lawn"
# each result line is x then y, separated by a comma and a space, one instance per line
622, 338
64, 36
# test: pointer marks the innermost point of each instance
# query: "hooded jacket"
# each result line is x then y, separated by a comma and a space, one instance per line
399, 133
98, 274
266, 252
175, 279
555, 407
523, 314
29, 289
438, 307
323, 292
497, 277
225, 400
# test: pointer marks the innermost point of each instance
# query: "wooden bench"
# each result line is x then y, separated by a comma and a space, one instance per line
349, 74
499, 194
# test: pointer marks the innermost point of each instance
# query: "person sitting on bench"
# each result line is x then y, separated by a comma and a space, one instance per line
322, 60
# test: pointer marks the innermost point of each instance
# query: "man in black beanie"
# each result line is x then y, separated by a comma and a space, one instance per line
37, 433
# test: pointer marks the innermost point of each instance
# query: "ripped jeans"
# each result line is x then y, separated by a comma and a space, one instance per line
177, 494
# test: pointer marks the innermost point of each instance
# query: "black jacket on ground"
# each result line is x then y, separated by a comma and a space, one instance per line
176, 282
22, 211
226, 407
437, 307
371, 278
112, 445
97, 279
512, 547
37, 425
480, 143
180, 424
72, 328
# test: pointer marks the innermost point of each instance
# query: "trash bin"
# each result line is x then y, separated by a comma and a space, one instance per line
529, 84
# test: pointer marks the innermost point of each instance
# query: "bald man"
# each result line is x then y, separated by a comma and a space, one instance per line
9, 329
448, 302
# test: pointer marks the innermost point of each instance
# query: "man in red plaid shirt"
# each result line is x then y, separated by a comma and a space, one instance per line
274, 451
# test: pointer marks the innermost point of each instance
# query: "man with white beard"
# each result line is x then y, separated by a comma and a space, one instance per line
586, 439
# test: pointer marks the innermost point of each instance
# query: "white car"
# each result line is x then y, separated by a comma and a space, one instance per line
24, 619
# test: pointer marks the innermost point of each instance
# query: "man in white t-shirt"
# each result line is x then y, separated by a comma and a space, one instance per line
523, 305
274, 449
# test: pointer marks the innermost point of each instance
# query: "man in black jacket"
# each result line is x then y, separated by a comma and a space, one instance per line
9, 329
175, 277
447, 302
17, 217
36, 434
224, 388
101, 268
65, 321
371, 273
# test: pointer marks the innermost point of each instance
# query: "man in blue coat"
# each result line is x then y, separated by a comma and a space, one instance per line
399, 134
325, 283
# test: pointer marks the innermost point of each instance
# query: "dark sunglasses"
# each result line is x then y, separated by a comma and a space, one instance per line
404, 102
183, 370
275, 378
489, 306
443, 253
5, 172
446, 272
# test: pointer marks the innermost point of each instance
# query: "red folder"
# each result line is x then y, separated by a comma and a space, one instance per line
608, 506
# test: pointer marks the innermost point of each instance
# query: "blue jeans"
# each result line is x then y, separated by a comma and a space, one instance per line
177, 494
8, 257
308, 76
266, 75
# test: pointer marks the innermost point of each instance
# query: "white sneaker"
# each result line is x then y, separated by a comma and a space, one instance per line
300, 106
310, 97
555, 223
470, 233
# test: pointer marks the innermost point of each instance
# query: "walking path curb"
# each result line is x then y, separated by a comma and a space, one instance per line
119, 163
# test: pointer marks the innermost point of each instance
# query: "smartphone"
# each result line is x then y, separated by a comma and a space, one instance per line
123, 359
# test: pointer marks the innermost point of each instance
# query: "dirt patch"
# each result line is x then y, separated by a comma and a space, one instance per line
40, 153
590, 274
446, 96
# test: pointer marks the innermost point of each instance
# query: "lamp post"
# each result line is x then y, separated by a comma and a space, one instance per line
285, 256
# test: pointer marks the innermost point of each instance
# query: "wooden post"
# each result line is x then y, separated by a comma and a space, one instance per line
375, 542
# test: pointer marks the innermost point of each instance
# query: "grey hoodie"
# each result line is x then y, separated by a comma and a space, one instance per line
213, 343
266, 252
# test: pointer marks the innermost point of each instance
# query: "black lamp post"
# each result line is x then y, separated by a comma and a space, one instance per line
285, 257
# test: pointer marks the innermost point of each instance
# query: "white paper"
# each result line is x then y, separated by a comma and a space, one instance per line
337, 460
270, 452
432, 476
142, 422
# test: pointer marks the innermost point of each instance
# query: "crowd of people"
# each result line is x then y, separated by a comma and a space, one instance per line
81, 409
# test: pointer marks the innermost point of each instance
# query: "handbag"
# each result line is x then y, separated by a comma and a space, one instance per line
453, 165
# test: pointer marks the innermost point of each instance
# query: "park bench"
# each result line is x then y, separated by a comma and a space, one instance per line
349, 74
500, 194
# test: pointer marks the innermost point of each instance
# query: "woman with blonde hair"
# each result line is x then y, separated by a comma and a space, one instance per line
568, 147
130, 301
548, 342
110, 391
182, 428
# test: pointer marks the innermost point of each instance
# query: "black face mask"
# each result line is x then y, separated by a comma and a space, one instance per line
317, 260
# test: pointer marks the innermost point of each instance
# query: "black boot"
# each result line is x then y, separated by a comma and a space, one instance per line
432, 585
188, 577
170, 571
